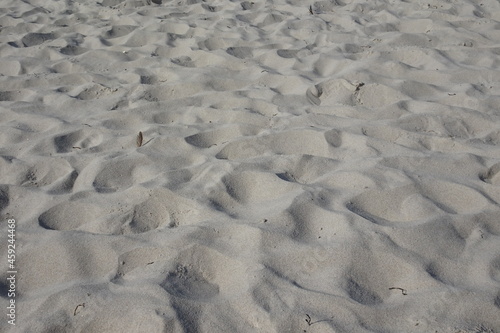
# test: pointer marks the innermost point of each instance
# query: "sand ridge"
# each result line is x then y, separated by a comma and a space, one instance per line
306, 166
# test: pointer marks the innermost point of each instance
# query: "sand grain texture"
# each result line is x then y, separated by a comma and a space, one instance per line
301, 166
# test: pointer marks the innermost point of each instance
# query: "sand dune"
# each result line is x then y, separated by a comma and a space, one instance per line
305, 166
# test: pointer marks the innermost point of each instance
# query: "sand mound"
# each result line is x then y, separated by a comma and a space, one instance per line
304, 166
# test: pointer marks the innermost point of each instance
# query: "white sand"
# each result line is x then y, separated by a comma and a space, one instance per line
333, 171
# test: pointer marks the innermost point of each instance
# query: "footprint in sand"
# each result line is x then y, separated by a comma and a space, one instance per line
4, 197
96, 91
202, 273
130, 3
253, 187
117, 31
344, 92
332, 92
242, 52
416, 202
187, 283
16, 95
33, 38
81, 139
69, 216
362, 294
56, 173
132, 264
148, 215
294, 142
10, 67
219, 136
121, 173
287, 54
495, 273
162, 208
73, 50
66, 259
492, 176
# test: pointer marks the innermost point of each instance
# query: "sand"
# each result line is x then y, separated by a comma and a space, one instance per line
305, 166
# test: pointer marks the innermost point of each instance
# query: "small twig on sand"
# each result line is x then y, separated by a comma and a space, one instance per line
403, 291
77, 307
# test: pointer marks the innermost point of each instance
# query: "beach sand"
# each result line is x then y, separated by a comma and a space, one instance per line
303, 166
